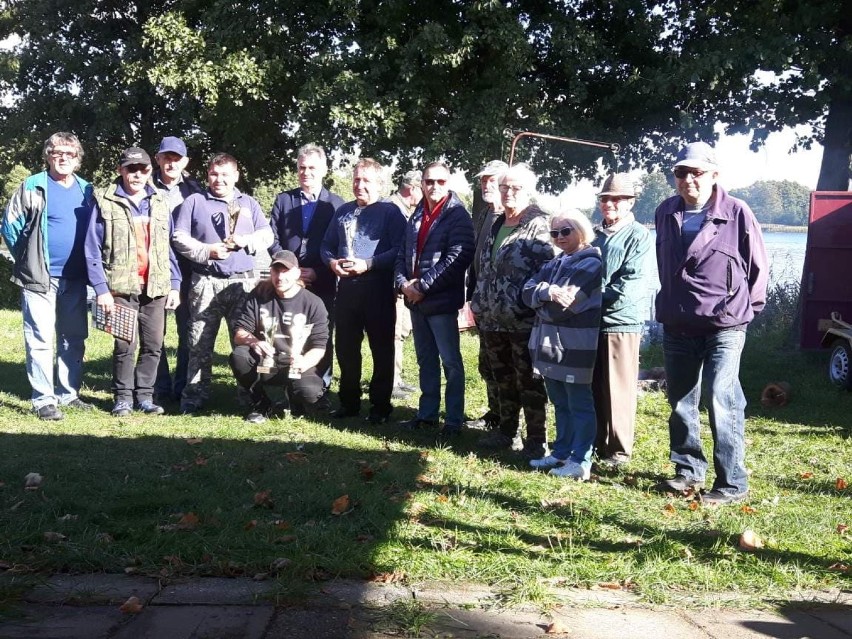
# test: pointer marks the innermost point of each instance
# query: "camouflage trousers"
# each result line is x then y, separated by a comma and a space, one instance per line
211, 299
517, 388
490, 383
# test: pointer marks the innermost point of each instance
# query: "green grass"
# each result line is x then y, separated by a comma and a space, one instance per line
117, 489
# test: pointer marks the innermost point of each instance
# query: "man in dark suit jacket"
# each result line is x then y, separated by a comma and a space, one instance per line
299, 220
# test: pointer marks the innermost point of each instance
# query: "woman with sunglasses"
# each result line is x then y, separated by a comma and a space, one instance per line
566, 296
514, 251
625, 245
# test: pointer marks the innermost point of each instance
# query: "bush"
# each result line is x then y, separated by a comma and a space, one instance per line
780, 316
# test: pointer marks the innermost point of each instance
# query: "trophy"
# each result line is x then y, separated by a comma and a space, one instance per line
233, 217
300, 330
350, 227
270, 328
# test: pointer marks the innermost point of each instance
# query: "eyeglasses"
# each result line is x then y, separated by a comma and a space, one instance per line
56, 155
431, 182
505, 188
565, 231
613, 198
681, 172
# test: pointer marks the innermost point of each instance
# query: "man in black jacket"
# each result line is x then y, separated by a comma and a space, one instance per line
299, 220
430, 272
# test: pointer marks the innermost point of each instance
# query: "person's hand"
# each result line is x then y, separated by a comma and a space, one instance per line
173, 300
218, 251
411, 292
240, 241
355, 266
561, 296
336, 267
263, 349
106, 302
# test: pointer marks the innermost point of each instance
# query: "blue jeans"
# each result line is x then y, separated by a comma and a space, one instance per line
437, 336
576, 426
716, 359
55, 317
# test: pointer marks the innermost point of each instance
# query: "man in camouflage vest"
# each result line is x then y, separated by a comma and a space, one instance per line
130, 263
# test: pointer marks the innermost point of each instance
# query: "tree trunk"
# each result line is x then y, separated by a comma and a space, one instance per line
837, 145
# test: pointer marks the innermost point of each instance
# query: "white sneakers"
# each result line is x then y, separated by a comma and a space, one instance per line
546, 462
572, 470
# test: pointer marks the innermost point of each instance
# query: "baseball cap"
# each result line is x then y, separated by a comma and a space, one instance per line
134, 155
494, 167
171, 144
285, 258
697, 155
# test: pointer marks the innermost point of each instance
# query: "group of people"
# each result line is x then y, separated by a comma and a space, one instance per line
557, 302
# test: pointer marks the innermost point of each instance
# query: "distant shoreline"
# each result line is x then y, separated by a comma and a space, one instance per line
766, 228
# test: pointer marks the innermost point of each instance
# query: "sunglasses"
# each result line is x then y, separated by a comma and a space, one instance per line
681, 172
432, 182
565, 231
614, 198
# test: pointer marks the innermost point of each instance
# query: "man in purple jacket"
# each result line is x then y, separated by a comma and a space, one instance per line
713, 274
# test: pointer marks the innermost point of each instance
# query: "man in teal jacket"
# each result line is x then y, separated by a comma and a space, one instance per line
44, 228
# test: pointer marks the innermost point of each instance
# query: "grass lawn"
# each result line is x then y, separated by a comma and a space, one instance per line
211, 495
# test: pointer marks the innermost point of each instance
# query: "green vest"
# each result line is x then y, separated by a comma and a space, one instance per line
118, 250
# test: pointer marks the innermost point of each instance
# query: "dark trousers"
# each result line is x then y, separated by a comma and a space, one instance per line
133, 375
517, 388
169, 385
365, 305
326, 364
303, 392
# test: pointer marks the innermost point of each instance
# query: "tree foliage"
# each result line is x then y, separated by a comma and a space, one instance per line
418, 79
777, 202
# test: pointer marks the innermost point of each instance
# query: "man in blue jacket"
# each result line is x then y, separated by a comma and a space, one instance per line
360, 247
299, 221
430, 270
45, 229
713, 274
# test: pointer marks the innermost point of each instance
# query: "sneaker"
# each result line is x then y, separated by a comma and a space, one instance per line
488, 421
533, 450
718, 498
416, 423
679, 484
495, 439
79, 404
50, 413
122, 409
615, 462
255, 417
547, 462
407, 388
571, 470
150, 408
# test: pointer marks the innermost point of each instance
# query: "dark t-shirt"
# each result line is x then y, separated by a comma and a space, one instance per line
281, 320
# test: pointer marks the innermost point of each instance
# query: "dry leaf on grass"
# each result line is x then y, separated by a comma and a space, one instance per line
280, 524
669, 509
842, 528
194, 441
340, 505
388, 577
280, 564
250, 525
750, 541
367, 473
693, 505
296, 458
839, 567
610, 585
263, 499
187, 521
200, 461
32, 481
806, 475
54, 537
841, 484
132, 606
748, 510
556, 628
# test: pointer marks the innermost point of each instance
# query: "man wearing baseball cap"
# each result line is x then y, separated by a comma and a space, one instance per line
130, 263
489, 185
284, 329
171, 179
713, 274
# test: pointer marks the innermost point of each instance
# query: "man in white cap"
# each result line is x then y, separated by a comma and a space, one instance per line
713, 274
172, 180
489, 184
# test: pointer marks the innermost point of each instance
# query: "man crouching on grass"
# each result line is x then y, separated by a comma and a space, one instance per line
281, 334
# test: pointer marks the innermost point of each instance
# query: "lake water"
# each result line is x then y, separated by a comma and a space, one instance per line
786, 253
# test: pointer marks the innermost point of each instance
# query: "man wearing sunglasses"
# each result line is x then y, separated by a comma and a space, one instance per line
436, 250
713, 273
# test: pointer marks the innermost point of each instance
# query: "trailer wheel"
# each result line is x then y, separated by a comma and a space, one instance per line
840, 364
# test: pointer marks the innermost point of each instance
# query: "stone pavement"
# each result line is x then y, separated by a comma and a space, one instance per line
88, 607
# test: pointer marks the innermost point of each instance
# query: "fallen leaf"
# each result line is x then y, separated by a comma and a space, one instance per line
131, 570
32, 481
367, 473
132, 606
194, 441
388, 577
669, 509
297, 458
340, 505
200, 461
280, 563
693, 505
842, 528
750, 541
841, 484
610, 585
188, 521
280, 524
442, 498
285, 539
251, 524
806, 475
263, 499
839, 567
54, 537
260, 576
748, 510
556, 628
